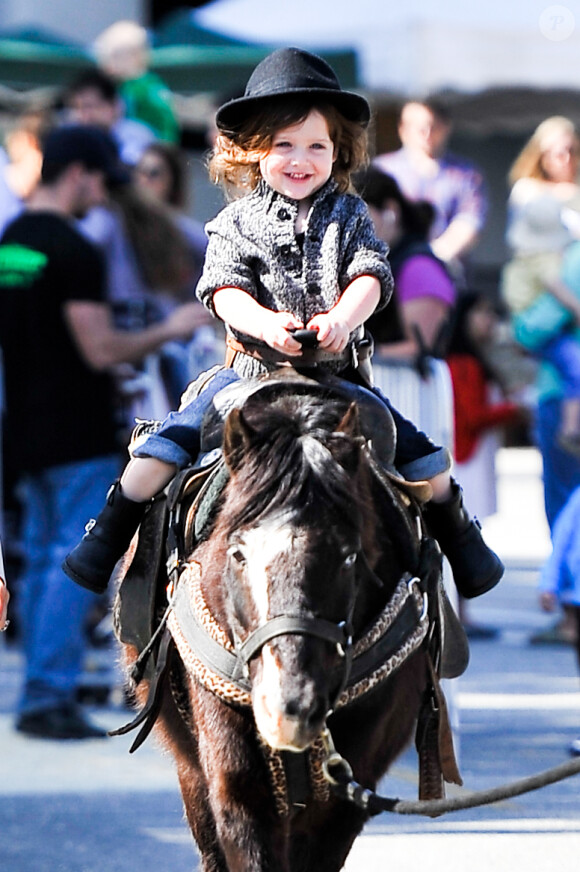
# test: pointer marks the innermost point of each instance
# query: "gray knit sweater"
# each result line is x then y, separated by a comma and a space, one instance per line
253, 246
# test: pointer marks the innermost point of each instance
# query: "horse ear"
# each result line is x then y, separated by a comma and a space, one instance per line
350, 424
237, 437
348, 451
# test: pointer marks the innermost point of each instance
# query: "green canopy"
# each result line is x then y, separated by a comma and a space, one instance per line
190, 59
36, 58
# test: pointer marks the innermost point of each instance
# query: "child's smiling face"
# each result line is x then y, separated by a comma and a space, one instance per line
300, 158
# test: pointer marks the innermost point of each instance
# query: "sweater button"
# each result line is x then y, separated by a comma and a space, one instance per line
284, 215
312, 289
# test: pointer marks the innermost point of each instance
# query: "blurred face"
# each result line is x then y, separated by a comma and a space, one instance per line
90, 190
560, 157
420, 130
90, 107
153, 175
387, 221
300, 158
125, 62
482, 322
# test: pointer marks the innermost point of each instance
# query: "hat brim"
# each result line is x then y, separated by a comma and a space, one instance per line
230, 117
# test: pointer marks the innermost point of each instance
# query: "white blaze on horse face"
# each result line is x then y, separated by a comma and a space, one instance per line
274, 728
266, 543
261, 546
281, 731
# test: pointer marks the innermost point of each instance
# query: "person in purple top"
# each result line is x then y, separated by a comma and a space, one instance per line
425, 292
425, 170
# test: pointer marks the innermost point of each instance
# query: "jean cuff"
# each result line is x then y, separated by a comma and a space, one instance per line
163, 449
428, 466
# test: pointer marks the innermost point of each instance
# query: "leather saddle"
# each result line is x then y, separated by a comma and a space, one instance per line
377, 423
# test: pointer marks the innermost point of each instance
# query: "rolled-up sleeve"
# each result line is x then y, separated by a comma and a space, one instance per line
225, 264
366, 255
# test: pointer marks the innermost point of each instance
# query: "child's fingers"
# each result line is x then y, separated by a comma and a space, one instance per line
281, 340
289, 321
290, 345
333, 338
322, 327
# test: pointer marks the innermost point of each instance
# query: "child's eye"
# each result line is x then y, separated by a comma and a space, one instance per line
282, 143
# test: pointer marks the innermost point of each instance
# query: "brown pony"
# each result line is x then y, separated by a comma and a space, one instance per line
310, 545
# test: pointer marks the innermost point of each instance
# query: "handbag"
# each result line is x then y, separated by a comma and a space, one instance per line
547, 317
540, 322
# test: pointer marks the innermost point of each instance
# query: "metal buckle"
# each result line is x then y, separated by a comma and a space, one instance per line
341, 647
415, 581
333, 759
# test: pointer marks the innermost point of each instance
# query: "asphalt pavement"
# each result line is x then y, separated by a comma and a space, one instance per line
93, 807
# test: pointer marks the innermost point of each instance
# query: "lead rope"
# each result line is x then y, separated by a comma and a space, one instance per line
339, 774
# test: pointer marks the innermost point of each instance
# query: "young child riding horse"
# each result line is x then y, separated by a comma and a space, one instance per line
297, 251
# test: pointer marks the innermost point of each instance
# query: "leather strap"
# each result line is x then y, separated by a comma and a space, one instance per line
434, 741
149, 713
308, 357
302, 625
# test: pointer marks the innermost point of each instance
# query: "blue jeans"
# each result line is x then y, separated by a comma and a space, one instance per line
56, 505
417, 457
178, 439
561, 470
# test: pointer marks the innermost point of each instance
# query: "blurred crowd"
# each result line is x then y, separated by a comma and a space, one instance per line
99, 327
512, 356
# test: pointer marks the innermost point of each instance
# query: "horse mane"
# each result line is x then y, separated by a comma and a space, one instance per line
295, 461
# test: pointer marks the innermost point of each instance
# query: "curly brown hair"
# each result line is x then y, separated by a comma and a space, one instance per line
235, 160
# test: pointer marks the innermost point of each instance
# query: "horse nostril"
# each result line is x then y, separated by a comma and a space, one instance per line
309, 713
293, 708
317, 712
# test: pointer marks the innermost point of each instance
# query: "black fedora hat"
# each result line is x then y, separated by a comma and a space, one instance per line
291, 71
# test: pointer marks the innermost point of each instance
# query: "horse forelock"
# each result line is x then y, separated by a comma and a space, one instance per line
293, 463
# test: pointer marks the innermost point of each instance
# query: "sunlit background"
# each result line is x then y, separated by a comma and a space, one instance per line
501, 67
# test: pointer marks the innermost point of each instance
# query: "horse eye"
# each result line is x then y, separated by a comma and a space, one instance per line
350, 560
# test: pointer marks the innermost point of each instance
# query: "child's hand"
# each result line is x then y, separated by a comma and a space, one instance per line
548, 601
332, 332
274, 332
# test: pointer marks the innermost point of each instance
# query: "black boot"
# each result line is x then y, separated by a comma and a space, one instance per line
92, 561
476, 568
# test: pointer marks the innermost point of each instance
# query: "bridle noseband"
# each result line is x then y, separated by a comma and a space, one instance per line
296, 625
339, 635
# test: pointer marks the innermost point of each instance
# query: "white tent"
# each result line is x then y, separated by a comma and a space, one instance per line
416, 46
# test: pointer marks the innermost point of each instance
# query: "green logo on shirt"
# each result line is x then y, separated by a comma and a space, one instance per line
20, 266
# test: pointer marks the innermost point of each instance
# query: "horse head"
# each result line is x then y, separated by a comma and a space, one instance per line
295, 520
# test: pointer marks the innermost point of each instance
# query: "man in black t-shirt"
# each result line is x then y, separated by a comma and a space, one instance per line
58, 343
